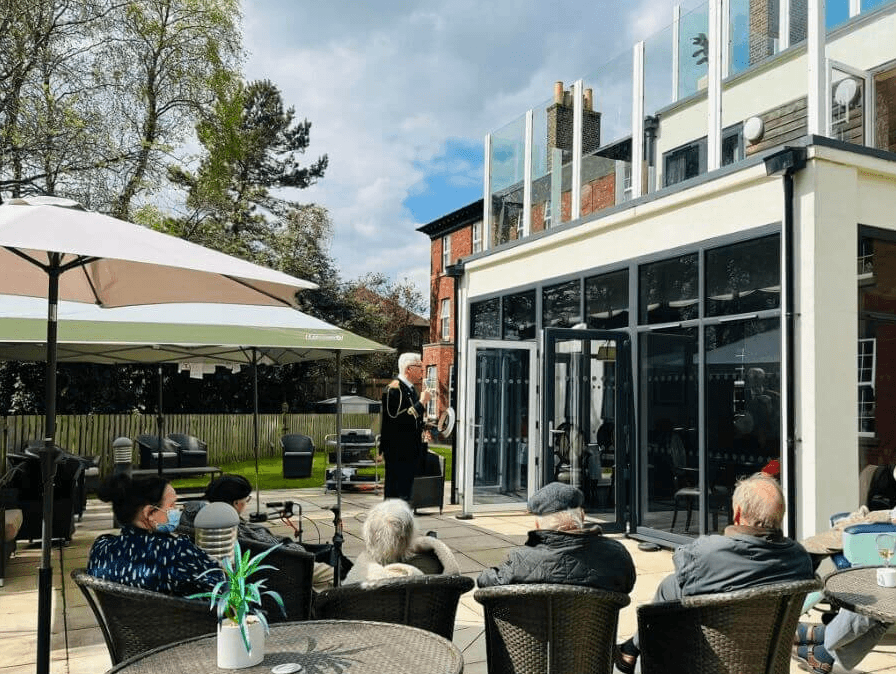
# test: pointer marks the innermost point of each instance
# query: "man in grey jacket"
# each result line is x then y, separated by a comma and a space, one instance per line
563, 549
752, 552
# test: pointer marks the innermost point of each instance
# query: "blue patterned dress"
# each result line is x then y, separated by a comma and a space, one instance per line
153, 561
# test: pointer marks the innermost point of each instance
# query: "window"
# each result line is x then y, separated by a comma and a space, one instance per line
485, 319
689, 160
432, 383
445, 320
867, 363
547, 214
477, 236
626, 181
446, 251
519, 226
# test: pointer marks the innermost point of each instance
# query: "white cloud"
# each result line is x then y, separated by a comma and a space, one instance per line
387, 84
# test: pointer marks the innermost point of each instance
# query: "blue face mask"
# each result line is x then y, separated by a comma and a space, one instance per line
171, 524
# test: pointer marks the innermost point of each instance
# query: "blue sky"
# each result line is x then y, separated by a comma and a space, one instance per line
400, 95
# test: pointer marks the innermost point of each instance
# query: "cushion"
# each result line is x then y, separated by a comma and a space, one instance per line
13, 523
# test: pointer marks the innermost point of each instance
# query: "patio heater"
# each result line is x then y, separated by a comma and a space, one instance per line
216, 527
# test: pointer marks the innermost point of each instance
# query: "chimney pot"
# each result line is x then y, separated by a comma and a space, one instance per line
558, 92
589, 98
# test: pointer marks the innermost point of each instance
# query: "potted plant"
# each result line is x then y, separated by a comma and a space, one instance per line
241, 623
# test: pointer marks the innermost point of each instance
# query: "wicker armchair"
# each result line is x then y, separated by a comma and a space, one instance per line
292, 580
743, 631
541, 628
427, 602
134, 620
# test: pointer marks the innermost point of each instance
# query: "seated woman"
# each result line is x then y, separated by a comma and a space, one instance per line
237, 491
393, 550
145, 554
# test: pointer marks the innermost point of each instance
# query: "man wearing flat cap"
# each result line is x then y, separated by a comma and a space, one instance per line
563, 549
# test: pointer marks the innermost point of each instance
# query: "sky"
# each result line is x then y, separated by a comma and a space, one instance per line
401, 94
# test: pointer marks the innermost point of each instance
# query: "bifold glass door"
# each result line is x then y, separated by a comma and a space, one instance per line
500, 458
587, 412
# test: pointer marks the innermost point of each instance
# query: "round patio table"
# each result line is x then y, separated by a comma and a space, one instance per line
320, 646
856, 589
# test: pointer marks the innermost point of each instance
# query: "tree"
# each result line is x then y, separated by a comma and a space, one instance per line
251, 147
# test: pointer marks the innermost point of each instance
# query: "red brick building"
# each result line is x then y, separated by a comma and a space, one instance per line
453, 236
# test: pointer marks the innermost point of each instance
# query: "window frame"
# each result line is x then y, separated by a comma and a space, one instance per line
445, 320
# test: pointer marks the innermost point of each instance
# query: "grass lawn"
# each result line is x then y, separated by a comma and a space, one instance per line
270, 472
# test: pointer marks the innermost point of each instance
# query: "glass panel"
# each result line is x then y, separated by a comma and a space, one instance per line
885, 112
606, 124
743, 406
581, 423
836, 12
668, 290
744, 277
658, 91
669, 471
876, 349
550, 166
500, 447
485, 319
868, 5
739, 37
693, 51
506, 174
847, 98
519, 316
606, 300
561, 305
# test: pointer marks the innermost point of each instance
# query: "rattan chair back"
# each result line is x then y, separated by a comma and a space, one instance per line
743, 631
548, 628
134, 620
291, 579
428, 602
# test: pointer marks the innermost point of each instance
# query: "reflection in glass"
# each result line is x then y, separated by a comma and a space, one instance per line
693, 51
606, 300
739, 37
868, 5
669, 462
485, 319
500, 444
561, 305
668, 290
518, 320
847, 100
744, 277
506, 171
743, 403
836, 12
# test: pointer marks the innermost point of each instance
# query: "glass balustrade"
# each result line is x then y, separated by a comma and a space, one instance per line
506, 175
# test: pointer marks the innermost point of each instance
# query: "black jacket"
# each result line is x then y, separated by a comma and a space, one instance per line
580, 557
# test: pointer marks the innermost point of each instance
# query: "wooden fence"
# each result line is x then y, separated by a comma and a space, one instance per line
230, 437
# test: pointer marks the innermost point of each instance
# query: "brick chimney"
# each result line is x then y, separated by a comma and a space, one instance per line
764, 26
560, 122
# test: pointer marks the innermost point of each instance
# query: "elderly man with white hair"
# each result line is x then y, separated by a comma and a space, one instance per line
401, 432
393, 549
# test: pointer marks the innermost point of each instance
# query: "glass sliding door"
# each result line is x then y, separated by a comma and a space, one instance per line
668, 464
587, 403
499, 461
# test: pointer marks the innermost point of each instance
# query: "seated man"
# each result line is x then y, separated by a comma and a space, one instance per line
752, 552
563, 549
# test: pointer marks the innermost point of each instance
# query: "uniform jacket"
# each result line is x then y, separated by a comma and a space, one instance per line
579, 557
401, 430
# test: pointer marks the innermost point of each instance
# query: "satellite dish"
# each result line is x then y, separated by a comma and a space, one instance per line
846, 92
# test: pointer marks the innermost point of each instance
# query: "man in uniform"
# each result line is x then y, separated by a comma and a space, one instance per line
401, 432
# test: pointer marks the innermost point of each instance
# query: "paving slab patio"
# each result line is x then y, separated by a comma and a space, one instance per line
77, 643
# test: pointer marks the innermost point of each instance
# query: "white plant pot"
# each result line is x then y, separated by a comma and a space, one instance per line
231, 649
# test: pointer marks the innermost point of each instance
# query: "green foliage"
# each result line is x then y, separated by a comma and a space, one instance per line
235, 598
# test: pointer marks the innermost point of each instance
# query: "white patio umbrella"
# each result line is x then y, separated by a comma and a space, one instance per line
54, 248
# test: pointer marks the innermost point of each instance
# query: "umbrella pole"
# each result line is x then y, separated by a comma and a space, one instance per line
337, 511
258, 517
48, 470
160, 423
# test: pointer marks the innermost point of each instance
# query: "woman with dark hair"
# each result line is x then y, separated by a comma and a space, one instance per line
236, 490
145, 554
